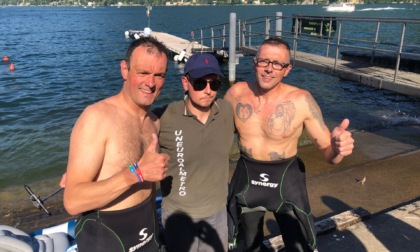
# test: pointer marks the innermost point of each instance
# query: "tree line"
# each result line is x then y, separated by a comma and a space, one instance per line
163, 2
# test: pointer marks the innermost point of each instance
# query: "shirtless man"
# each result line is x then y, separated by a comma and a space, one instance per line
113, 159
270, 116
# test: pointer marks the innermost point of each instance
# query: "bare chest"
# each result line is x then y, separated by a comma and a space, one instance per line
276, 120
127, 142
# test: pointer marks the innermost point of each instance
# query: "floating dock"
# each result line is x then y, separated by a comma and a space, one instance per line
180, 48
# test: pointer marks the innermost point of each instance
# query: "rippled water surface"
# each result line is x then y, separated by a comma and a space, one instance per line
68, 57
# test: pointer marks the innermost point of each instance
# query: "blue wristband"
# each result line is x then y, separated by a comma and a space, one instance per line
133, 170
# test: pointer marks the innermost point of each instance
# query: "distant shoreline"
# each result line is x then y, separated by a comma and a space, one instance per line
183, 5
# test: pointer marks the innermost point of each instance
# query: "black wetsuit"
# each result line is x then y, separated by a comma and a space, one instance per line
275, 186
132, 229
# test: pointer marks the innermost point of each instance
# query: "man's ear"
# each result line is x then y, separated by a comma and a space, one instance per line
289, 68
185, 83
124, 69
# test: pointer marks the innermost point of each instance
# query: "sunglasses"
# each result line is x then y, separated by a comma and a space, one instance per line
201, 84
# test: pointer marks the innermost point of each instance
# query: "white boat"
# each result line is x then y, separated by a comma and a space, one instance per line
341, 7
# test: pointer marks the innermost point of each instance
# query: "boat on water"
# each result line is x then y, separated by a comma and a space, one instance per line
341, 7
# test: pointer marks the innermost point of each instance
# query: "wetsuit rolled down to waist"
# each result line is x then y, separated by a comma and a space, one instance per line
276, 186
128, 230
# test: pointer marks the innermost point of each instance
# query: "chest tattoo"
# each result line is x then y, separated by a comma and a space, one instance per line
274, 155
280, 121
243, 111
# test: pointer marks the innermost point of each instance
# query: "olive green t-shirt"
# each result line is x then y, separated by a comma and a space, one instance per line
197, 180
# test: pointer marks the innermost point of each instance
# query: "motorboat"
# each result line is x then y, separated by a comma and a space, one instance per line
341, 7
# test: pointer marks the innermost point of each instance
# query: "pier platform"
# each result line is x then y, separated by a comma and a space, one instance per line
177, 45
407, 83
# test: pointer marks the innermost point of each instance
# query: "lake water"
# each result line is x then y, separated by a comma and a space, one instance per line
68, 57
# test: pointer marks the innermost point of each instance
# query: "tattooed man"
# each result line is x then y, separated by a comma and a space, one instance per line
270, 116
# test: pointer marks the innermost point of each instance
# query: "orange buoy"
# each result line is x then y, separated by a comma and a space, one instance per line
5, 58
12, 67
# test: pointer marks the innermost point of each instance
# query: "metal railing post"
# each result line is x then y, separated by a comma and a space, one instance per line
279, 23
249, 35
232, 48
212, 38
329, 38
243, 34
337, 51
239, 33
224, 36
267, 28
295, 37
372, 57
397, 65
201, 39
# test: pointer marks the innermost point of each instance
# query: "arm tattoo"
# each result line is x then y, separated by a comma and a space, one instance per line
277, 156
245, 151
243, 111
280, 121
315, 110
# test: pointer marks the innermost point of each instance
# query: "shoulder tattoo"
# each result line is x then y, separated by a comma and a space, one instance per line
314, 109
243, 111
281, 119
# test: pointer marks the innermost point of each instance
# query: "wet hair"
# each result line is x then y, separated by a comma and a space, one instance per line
275, 41
152, 45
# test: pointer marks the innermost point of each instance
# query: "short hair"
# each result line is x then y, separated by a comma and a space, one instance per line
275, 41
150, 43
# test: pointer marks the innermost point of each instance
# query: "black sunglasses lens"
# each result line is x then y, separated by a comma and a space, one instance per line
215, 85
201, 84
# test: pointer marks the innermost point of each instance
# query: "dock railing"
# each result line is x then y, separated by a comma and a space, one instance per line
385, 42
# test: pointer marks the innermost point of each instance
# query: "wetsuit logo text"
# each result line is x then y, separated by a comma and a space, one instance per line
264, 181
144, 238
180, 159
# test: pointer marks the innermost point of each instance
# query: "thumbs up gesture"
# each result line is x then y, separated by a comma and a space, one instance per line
341, 140
153, 165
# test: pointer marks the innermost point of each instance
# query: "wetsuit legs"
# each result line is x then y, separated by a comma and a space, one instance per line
294, 238
292, 232
253, 223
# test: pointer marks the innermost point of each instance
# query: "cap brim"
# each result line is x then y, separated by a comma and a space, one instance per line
198, 73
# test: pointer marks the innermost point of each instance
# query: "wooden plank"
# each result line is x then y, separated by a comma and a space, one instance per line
342, 220
176, 44
274, 244
336, 222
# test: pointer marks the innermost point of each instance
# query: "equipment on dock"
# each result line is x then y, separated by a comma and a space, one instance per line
181, 57
38, 201
136, 34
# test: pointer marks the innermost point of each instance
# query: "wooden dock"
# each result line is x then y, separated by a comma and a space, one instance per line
407, 83
177, 45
